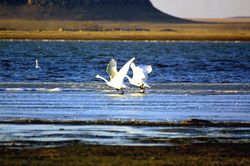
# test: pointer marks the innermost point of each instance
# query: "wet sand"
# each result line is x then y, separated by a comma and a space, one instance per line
78, 154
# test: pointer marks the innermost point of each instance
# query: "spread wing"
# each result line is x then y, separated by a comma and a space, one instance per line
146, 68
122, 72
140, 73
112, 68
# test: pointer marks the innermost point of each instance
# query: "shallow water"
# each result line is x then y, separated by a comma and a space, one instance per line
163, 102
56, 135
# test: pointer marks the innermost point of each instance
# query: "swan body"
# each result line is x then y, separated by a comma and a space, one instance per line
116, 78
140, 76
37, 65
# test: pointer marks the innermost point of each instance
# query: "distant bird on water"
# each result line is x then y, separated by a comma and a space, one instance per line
116, 78
37, 65
140, 76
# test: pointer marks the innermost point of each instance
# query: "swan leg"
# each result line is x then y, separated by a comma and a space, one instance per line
142, 89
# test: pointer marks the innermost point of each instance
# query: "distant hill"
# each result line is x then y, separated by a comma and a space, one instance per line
240, 17
117, 10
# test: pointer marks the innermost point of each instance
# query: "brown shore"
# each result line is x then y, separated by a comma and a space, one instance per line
105, 30
160, 36
79, 154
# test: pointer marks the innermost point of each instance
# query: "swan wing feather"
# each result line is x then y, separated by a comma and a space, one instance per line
140, 72
119, 77
146, 68
112, 68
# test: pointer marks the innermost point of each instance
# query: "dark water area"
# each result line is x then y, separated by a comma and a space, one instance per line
80, 61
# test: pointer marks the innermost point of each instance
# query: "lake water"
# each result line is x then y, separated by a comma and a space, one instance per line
80, 61
201, 80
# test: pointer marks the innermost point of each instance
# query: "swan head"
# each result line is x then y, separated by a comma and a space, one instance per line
97, 76
100, 77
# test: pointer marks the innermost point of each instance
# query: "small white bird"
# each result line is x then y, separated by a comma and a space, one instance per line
37, 65
116, 78
140, 76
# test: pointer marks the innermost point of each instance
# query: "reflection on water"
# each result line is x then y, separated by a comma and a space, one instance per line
138, 94
126, 95
116, 95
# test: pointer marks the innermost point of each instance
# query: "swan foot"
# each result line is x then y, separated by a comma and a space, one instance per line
122, 91
143, 91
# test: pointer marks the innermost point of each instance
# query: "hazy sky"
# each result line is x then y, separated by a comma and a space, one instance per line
204, 8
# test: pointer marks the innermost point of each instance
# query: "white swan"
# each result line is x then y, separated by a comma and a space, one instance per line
116, 78
37, 65
140, 76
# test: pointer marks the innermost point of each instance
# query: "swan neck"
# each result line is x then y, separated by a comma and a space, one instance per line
98, 76
129, 78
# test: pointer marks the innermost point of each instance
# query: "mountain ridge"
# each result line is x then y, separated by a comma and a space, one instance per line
114, 10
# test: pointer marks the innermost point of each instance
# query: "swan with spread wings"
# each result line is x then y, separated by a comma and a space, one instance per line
140, 76
116, 77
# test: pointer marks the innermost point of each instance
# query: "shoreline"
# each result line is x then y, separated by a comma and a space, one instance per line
119, 36
183, 123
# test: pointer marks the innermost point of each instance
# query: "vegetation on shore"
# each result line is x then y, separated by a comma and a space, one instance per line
52, 35
197, 154
104, 30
